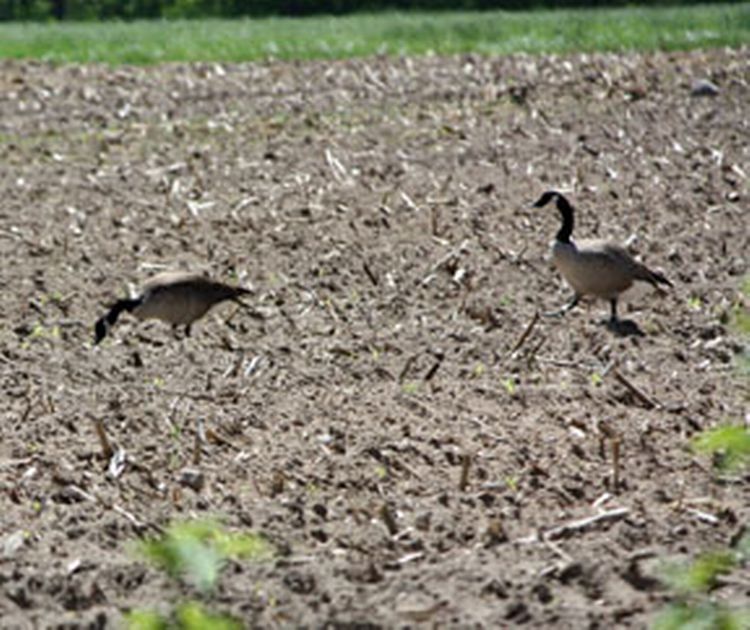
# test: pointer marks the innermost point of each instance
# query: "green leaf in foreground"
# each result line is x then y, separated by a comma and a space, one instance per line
705, 616
191, 616
699, 576
197, 551
188, 616
145, 620
741, 312
730, 442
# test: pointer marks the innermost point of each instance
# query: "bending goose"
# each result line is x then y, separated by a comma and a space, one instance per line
594, 267
176, 297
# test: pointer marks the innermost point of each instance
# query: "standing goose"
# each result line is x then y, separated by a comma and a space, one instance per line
594, 267
176, 297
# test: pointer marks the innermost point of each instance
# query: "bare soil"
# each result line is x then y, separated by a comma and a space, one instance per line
382, 418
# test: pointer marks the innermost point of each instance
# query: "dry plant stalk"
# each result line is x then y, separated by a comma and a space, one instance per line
107, 450
525, 335
435, 367
200, 439
647, 400
386, 514
463, 482
616, 464
585, 523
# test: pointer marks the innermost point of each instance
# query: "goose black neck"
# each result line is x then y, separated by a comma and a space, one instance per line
103, 324
120, 306
566, 212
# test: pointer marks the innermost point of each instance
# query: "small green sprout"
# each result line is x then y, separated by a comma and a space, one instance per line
37, 332
695, 303
730, 442
596, 379
510, 386
410, 387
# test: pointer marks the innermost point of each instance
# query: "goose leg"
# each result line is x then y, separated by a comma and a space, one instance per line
187, 330
560, 312
613, 319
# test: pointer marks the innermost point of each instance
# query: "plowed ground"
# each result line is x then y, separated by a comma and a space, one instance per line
382, 418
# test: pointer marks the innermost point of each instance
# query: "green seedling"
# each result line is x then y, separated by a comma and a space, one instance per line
701, 575
410, 388
704, 616
37, 332
146, 620
510, 386
596, 379
695, 303
740, 314
478, 370
729, 443
692, 583
188, 616
197, 551
192, 616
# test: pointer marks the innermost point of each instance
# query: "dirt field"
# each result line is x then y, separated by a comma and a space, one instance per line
374, 419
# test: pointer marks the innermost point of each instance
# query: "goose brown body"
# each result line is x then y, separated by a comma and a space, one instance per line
175, 297
598, 268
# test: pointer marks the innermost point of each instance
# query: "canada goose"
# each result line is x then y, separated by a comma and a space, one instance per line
176, 297
594, 267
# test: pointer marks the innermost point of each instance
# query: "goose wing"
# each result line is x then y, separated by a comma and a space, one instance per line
617, 262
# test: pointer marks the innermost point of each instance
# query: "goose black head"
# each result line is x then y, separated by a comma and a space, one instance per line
566, 212
546, 198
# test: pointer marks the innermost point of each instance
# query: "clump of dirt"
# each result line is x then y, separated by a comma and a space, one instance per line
417, 446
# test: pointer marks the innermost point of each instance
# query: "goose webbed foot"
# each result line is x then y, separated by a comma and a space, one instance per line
622, 327
625, 328
561, 311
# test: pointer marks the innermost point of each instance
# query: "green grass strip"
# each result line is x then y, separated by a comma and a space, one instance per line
495, 32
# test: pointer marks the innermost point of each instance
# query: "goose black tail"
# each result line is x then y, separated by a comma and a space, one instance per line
104, 323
